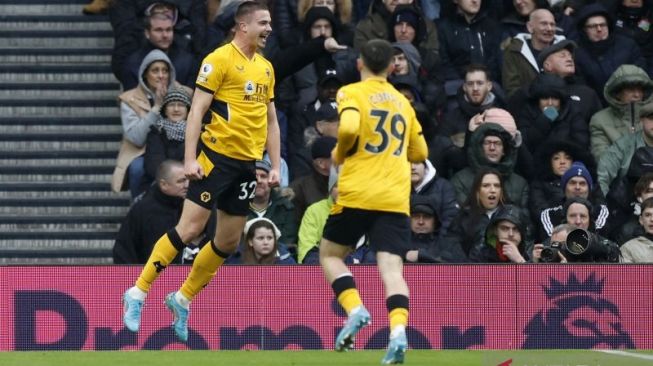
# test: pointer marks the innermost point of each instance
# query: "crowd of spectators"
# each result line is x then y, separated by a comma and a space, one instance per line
538, 116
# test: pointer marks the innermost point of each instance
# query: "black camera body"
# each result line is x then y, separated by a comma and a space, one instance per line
580, 246
550, 252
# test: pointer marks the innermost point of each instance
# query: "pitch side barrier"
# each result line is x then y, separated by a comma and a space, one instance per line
292, 307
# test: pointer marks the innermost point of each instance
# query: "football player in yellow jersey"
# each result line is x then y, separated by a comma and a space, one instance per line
378, 137
236, 84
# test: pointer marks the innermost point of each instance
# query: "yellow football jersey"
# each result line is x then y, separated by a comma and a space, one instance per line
242, 88
375, 174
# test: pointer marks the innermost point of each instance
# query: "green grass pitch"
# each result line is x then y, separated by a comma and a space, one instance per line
328, 358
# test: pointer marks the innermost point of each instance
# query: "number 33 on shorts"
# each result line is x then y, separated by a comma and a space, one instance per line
247, 190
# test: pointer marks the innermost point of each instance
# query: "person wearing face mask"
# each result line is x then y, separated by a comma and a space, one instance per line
548, 115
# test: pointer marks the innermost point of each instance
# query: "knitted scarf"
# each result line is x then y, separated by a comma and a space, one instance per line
174, 130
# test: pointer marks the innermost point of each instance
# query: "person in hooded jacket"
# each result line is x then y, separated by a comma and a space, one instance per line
627, 90
549, 115
600, 50
554, 159
506, 238
425, 182
407, 25
490, 145
427, 244
139, 110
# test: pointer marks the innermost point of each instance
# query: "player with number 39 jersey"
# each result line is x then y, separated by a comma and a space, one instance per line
387, 138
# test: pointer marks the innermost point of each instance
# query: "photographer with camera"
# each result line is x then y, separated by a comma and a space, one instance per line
581, 243
505, 238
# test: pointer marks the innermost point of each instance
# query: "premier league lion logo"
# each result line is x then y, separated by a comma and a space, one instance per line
578, 317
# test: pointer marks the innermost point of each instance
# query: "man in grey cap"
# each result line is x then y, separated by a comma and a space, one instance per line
558, 59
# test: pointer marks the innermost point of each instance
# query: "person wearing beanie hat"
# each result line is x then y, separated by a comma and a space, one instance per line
175, 95
405, 17
577, 188
500, 117
576, 182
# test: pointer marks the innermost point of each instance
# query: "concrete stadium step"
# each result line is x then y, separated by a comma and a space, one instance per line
75, 77
20, 146
27, 58
52, 163
66, 33
68, 42
57, 197
55, 51
65, 210
58, 258
64, 111
49, 120
60, 8
39, 227
66, 94
56, 178
46, 186
64, 86
18, 157
54, 243
61, 129
55, 26
32, 2
63, 220
72, 18
56, 170
90, 234
56, 68
94, 103
57, 137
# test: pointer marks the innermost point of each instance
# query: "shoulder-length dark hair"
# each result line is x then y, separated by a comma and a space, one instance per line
473, 203
249, 257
